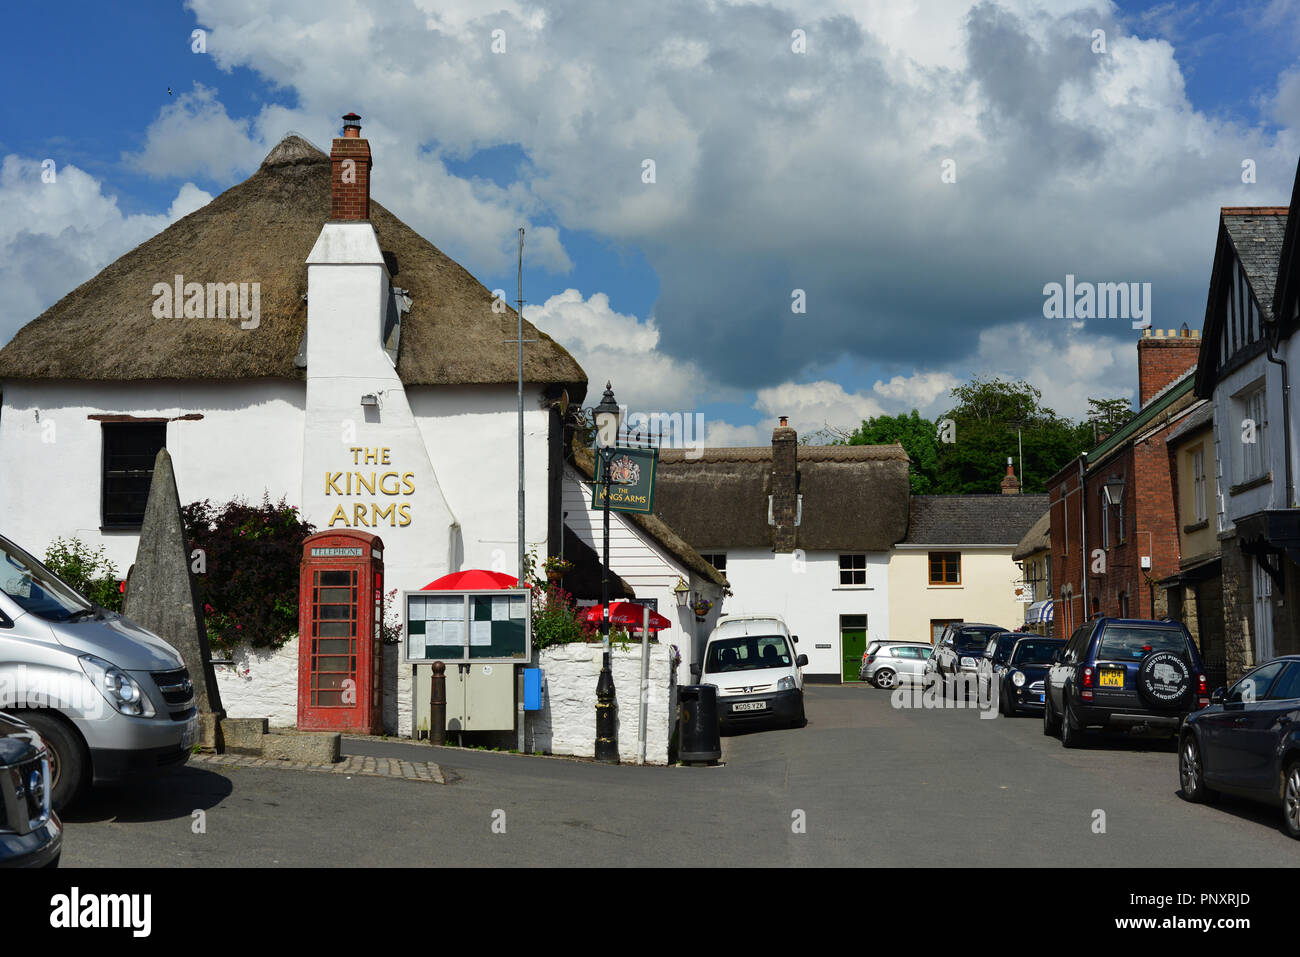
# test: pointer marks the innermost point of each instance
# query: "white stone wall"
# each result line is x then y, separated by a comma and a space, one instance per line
263, 683
567, 722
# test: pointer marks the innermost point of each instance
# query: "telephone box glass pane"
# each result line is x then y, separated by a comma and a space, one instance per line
334, 615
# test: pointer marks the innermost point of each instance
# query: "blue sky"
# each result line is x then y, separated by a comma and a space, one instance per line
776, 171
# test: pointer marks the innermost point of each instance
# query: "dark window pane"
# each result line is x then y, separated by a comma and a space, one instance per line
130, 449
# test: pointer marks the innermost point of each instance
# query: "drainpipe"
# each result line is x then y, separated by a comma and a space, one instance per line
1286, 414
1083, 533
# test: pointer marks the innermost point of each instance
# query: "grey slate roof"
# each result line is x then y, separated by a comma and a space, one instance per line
973, 519
1202, 415
1257, 240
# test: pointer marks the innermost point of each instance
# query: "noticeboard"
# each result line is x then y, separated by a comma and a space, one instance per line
475, 625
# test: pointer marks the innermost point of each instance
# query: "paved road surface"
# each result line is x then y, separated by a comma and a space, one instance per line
876, 785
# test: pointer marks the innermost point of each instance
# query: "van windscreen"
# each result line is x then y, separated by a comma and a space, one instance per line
747, 653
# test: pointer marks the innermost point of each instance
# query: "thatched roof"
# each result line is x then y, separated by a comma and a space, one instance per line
1037, 539
585, 461
855, 497
262, 231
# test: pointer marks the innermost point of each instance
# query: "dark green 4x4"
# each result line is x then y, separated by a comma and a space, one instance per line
1123, 673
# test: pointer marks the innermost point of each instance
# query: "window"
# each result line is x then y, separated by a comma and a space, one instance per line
1198, 486
1121, 531
945, 568
937, 625
129, 452
717, 559
1254, 687
1105, 520
853, 569
1254, 455
1286, 687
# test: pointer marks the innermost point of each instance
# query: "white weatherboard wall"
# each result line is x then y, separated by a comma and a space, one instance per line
644, 564
804, 589
567, 722
247, 442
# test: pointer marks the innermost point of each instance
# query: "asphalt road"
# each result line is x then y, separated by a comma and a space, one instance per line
875, 785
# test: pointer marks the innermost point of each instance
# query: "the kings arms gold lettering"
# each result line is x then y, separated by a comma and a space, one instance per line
371, 514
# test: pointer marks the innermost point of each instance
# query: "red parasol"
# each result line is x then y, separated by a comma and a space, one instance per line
472, 578
628, 614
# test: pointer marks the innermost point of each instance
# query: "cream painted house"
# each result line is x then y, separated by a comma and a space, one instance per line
956, 565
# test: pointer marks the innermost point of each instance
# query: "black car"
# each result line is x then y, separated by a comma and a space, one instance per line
961, 647
30, 832
1247, 742
1123, 673
1022, 677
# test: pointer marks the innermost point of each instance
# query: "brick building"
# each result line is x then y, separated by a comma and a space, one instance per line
1114, 534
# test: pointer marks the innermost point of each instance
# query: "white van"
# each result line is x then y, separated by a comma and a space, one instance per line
751, 660
111, 700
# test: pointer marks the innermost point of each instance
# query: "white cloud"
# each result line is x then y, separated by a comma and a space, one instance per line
55, 236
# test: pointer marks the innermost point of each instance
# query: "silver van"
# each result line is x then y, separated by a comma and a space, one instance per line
111, 700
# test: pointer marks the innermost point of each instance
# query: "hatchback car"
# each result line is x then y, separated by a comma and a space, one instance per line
1123, 673
890, 663
1020, 679
1247, 742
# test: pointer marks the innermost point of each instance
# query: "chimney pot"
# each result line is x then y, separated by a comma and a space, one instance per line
350, 173
785, 420
351, 126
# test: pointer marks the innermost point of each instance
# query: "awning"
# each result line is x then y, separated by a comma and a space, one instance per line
1040, 612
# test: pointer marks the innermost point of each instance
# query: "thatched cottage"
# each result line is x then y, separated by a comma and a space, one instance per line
805, 532
292, 337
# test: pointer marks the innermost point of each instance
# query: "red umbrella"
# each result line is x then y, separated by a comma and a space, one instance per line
627, 613
472, 578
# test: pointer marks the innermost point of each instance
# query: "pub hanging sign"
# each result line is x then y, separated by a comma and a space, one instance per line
631, 480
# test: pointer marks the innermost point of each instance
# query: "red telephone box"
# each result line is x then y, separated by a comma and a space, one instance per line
340, 652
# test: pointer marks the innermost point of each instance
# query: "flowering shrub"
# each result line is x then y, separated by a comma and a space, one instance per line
87, 570
250, 588
556, 621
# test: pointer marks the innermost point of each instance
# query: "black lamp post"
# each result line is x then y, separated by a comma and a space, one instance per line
607, 421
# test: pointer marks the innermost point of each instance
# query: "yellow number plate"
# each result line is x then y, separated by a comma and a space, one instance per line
1112, 678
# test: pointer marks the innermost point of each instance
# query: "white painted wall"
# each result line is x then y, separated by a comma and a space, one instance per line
567, 722
1229, 448
248, 441
804, 589
645, 565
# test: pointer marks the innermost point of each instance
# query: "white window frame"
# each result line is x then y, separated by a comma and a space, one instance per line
1200, 507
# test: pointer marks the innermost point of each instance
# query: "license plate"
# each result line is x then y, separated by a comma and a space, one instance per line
750, 706
191, 733
1112, 678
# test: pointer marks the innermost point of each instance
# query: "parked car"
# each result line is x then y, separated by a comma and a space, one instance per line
111, 700
994, 660
31, 834
1123, 673
1020, 678
888, 663
1247, 742
751, 660
962, 645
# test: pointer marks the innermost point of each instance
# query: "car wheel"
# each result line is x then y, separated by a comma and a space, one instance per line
1051, 724
69, 759
1004, 701
802, 721
885, 678
1291, 800
1071, 733
1191, 772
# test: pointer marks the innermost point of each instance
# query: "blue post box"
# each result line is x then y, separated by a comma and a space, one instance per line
532, 689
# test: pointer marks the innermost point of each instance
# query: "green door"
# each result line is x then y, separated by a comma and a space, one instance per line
853, 642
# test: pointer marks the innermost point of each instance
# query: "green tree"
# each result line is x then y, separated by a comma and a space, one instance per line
1108, 414
917, 436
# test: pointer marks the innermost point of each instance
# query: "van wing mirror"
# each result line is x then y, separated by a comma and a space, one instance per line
796, 639
801, 661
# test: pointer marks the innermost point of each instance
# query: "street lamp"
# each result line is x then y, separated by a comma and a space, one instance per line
1114, 490
607, 421
683, 593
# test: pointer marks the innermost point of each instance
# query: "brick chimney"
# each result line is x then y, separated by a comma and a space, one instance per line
350, 173
1010, 484
785, 486
1163, 357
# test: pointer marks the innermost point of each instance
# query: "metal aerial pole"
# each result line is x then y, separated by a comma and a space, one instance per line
523, 572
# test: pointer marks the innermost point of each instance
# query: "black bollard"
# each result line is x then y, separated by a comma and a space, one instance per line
438, 704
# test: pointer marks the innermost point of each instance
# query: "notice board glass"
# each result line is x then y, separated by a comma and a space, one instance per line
468, 625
